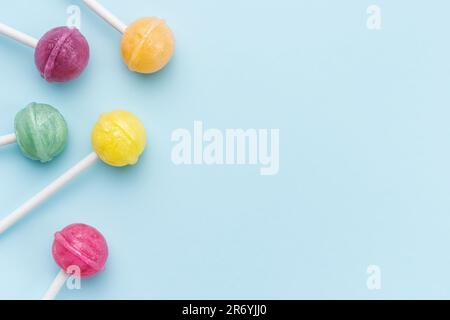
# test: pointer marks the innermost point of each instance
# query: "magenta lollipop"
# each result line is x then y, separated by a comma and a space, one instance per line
77, 246
60, 55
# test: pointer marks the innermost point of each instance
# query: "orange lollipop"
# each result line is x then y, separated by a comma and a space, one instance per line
147, 44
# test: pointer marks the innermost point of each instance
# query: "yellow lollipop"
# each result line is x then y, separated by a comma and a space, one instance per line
118, 139
147, 44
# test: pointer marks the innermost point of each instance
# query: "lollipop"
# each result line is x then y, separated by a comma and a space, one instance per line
81, 246
118, 139
60, 55
147, 44
40, 132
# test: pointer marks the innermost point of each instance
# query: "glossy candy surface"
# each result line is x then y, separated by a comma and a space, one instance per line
119, 138
61, 54
41, 131
82, 246
147, 45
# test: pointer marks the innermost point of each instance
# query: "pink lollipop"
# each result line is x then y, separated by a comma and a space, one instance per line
80, 246
60, 55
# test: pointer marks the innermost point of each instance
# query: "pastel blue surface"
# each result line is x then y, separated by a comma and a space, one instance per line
364, 153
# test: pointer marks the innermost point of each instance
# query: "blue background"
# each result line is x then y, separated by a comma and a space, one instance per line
364, 153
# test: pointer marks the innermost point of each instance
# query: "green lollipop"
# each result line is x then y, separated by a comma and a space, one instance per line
40, 132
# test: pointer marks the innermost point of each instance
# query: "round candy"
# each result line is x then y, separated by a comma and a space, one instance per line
61, 54
80, 245
119, 138
147, 45
41, 131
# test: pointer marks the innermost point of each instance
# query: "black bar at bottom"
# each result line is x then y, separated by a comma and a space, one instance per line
223, 309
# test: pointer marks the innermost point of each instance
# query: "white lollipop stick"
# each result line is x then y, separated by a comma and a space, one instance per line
8, 139
18, 36
106, 15
52, 188
56, 286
